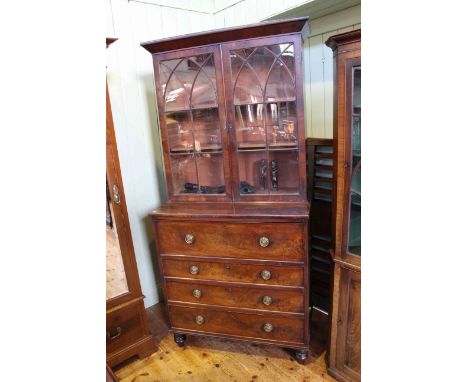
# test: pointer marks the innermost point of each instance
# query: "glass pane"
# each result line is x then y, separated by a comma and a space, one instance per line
176, 92
250, 130
354, 234
207, 130
263, 85
246, 83
280, 84
211, 173
179, 131
204, 88
188, 82
116, 281
284, 172
184, 173
263, 74
253, 172
281, 124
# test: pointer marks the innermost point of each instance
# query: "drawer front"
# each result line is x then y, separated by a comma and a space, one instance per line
240, 297
245, 273
238, 324
123, 326
284, 241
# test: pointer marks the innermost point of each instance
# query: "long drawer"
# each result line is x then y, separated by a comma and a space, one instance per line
123, 326
254, 326
274, 241
234, 272
236, 296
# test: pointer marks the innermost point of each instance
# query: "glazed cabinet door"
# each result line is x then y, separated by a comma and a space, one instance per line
351, 245
348, 343
193, 125
263, 90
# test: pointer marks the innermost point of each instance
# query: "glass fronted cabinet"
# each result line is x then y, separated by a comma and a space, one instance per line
344, 354
229, 120
354, 229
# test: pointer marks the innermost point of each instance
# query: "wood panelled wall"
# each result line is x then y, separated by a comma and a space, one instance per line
131, 87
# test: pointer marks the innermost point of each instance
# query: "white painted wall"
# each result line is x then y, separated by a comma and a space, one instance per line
131, 88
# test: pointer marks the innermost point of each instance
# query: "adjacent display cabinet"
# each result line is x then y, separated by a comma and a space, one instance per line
232, 239
345, 332
127, 328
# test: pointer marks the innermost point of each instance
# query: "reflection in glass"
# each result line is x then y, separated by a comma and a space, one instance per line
183, 170
354, 234
193, 126
207, 133
204, 89
263, 74
189, 82
287, 171
211, 173
179, 131
116, 281
281, 124
250, 130
263, 85
253, 172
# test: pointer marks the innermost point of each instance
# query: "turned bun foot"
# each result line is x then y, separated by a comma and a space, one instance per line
180, 339
301, 355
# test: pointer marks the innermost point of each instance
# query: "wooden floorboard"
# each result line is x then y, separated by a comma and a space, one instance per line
210, 359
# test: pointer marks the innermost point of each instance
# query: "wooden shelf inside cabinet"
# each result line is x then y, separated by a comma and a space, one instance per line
250, 148
203, 149
320, 195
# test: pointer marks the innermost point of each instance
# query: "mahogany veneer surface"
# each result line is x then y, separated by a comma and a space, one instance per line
232, 239
230, 271
236, 296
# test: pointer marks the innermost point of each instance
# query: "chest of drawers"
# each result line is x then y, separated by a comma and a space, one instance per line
236, 272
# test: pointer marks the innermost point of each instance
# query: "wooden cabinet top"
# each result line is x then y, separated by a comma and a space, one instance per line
217, 36
343, 38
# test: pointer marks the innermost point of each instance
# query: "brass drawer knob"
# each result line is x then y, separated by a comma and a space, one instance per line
194, 270
196, 293
200, 320
264, 241
189, 238
267, 300
266, 275
268, 327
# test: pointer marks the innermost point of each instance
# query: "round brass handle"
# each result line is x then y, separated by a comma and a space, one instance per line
268, 327
266, 275
267, 300
264, 241
199, 320
189, 238
194, 270
196, 293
